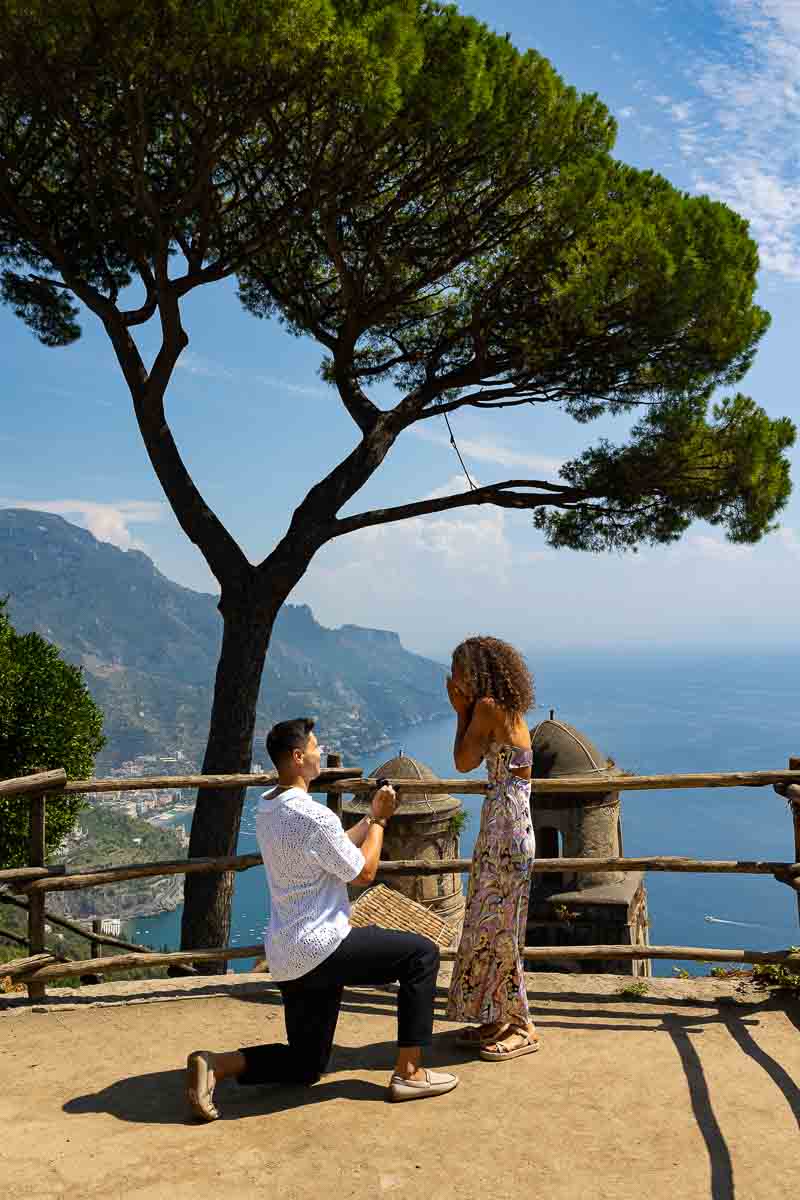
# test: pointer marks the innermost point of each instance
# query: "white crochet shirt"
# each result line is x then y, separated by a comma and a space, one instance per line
309, 860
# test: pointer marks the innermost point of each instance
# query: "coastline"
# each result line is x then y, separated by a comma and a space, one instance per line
653, 715
168, 816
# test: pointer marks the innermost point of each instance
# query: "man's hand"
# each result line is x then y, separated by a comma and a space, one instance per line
384, 803
382, 806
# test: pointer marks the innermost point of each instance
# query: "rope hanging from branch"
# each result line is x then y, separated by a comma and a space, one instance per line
458, 452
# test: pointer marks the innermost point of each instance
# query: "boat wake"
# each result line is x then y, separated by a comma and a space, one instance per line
743, 924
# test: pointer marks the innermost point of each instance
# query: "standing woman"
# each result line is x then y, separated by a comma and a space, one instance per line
491, 689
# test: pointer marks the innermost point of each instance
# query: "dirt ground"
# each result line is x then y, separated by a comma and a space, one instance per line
686, 1091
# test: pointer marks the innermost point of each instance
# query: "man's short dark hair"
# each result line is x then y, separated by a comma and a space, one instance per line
287, 736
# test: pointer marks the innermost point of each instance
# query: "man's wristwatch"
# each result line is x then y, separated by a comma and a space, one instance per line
382, 821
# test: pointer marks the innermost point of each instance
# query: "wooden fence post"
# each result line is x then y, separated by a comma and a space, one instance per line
334, 799
36, 856
794, 805
95, 951
96, 948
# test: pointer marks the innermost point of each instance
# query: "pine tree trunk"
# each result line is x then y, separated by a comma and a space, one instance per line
215, 826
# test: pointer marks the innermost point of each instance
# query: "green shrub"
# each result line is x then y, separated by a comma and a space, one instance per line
632, 991
458, 822
47, 720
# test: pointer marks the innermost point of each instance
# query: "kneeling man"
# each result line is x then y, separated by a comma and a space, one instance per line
312, 950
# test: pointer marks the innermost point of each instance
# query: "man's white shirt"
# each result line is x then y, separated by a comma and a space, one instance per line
309, 860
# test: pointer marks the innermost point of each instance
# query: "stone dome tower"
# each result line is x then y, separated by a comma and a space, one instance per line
425, 826
588, 823
590, 908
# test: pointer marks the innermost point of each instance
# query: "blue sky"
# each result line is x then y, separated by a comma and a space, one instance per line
706, 92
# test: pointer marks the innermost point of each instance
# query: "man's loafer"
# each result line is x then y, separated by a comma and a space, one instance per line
435, 1083
198, 1093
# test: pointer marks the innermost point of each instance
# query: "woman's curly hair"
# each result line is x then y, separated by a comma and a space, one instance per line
494, 668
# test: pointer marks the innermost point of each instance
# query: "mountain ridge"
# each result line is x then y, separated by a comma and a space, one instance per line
149, 646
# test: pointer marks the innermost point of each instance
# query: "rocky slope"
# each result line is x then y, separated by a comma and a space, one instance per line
149, 648
133, 898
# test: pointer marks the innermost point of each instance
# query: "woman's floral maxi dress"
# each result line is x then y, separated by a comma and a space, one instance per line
488, 983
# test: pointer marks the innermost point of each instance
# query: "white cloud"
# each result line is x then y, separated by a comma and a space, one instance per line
480, 449
194, 364
739, 132
713, 548
471, 541
627, 111
440, 578
788, 540
297, 389
108, 522
431, 577
703, 545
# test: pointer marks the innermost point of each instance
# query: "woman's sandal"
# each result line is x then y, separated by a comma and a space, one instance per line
198, 1093
528, 1044
471, 1036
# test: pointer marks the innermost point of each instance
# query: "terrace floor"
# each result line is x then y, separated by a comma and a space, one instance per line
689, 1091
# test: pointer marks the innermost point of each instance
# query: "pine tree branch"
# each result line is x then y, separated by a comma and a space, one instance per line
498, 494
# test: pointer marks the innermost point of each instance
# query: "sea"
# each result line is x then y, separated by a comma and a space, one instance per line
653, 712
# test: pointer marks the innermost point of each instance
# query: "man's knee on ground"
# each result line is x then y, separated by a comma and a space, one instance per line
307, 1078
309, 1068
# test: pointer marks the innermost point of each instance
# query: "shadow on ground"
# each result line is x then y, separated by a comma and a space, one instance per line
739, 1020
158, 1098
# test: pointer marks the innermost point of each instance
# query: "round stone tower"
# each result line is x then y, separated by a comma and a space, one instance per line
425, 827
582, 908
588, 822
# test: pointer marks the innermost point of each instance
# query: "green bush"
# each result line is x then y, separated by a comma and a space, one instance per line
779, 976
458, 822
632, 991
47, 720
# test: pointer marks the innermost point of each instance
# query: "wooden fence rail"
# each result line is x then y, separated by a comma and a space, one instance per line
38, 971
61, 882
20, 874
243, 862
44, 781
178, 866
326, 777
102, 939
36, 879
599, 782
347, 779
12, 937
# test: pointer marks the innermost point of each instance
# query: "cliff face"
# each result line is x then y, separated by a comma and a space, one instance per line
149, 649
134, 898
107, 837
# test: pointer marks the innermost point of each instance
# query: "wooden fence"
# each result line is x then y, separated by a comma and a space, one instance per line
37, 879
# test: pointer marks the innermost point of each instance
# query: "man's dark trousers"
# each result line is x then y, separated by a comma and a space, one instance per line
368, 956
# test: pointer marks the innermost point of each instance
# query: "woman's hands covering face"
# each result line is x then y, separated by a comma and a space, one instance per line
459, 699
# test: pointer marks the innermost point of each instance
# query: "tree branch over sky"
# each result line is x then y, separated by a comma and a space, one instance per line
439, 212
